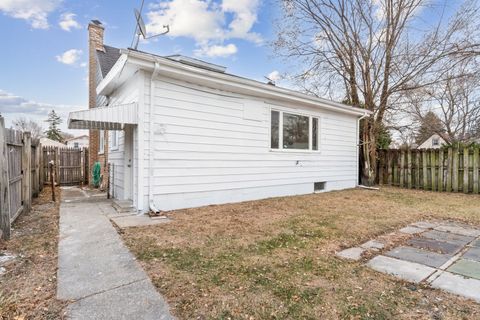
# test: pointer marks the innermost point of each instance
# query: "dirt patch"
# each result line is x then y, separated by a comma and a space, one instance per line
28, 287
275, 258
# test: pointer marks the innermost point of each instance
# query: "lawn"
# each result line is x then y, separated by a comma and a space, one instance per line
28, 288
275, 258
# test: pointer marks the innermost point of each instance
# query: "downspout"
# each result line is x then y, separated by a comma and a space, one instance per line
358, 147
151, 203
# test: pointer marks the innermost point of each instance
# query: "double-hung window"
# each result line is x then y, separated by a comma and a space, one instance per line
290, 131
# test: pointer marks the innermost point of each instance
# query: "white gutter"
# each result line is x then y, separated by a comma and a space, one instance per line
358, 146
151, 145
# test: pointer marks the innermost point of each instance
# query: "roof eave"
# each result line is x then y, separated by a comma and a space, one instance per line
221, 80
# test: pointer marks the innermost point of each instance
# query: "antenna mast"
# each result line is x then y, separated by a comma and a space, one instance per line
141, 30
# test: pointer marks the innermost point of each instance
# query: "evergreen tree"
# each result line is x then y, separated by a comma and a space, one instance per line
430, 123
53, 132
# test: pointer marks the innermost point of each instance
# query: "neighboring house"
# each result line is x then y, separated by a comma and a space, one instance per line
51, 143
435, 141
79, 142
184, 133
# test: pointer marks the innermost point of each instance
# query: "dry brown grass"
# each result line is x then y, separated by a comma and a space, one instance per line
28, 289
274, 258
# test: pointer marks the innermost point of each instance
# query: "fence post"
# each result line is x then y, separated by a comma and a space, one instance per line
4, 185
57, 165
455, 170
27, 172
417, 170
425, 171
409, 169
475, 170
466, 168
441, 156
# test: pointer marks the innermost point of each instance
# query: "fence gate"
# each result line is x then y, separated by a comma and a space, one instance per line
71, 165
14, 150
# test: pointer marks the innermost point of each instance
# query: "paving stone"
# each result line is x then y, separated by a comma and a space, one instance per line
373, 244
464, 231
137, 221
410, 271
435, 245
354, 253
476, 243
446, 236
466, 287
466, 268
425, 224
2, 271
411, 230
4, 258
424, 257
472, 254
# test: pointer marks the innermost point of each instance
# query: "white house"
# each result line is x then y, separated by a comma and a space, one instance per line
184, 133
435, 141
79, 142
51, 143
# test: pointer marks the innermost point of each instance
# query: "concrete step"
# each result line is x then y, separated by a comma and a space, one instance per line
123, 206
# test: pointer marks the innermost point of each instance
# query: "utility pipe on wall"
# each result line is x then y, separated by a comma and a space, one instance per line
151, 203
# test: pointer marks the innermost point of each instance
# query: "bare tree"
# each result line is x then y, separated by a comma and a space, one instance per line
455, 101
375, 50
34, 128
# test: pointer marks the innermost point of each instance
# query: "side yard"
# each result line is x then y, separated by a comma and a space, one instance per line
275, 258
28, 286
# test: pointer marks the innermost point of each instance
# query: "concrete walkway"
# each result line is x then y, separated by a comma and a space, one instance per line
96, 272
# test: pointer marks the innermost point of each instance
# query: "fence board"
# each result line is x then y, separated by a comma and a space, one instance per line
71, 165
446, 169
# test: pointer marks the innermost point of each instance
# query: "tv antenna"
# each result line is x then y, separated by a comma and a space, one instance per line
141, 30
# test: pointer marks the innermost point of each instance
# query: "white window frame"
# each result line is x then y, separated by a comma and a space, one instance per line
101, 142
114, 138
280, 131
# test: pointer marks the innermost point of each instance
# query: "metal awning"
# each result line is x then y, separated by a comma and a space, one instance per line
113, 117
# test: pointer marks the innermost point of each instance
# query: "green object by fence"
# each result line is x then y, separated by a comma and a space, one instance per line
96, 174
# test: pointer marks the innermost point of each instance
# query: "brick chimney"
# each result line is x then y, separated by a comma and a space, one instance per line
95, 43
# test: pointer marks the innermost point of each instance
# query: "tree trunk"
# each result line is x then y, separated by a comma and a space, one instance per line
369, 152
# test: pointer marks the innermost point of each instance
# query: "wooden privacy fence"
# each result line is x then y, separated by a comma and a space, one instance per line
71, 165
20, 177
446, 169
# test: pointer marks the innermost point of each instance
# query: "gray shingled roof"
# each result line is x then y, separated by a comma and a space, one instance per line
108, 58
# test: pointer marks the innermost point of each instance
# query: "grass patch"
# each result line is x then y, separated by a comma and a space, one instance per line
28, 288
275, 258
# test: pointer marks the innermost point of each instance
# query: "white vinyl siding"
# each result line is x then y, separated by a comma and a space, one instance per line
214, 147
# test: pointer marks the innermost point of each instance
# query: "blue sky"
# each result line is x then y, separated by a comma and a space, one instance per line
44, 44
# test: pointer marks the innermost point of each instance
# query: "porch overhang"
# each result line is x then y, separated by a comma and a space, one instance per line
113, 117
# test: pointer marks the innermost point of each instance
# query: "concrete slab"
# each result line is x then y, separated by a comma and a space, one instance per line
476, 243
457, 284
373, 244
472, 254
464, 231
466, 268
143, 303
435, 245
425, 224
411, 230
428, 258
354, 253
96, 269
137, 221
409, 271
446, 236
